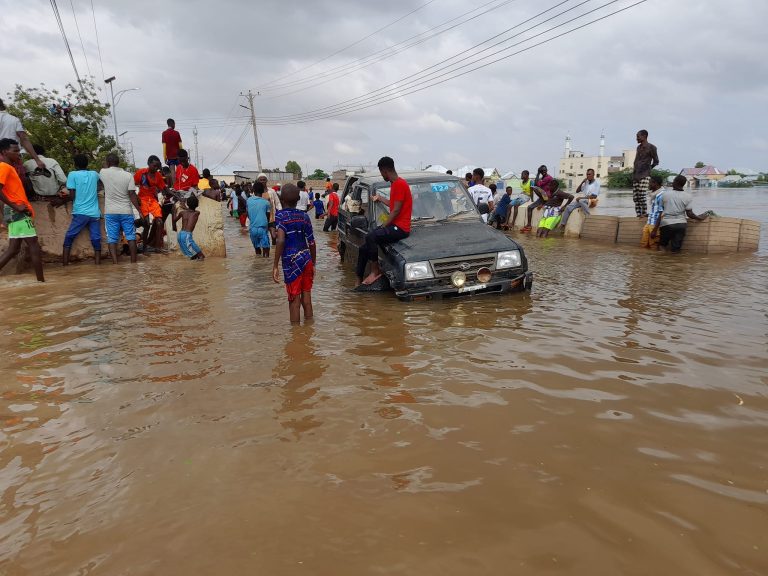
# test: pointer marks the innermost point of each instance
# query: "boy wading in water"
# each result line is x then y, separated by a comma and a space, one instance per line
189, 217
18, 212
295, 249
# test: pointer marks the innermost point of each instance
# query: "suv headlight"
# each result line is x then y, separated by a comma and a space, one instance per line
510, 259
418, 271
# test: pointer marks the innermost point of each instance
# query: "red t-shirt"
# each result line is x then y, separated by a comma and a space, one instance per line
171, 139
401, 192
186, 178
149, 185
333, 204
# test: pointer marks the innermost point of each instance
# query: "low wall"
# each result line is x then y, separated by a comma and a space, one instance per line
52, 224
209, 230
716, 235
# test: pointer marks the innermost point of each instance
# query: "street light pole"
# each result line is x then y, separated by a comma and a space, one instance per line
114, 114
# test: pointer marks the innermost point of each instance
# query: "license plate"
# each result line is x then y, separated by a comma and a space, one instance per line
474, 288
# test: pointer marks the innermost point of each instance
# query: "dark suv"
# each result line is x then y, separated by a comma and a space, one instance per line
450, 251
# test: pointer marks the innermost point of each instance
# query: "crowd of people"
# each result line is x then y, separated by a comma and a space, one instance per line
666, 211
276, 216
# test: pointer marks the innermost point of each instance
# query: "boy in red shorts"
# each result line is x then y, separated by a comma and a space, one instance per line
295, 248
150, 182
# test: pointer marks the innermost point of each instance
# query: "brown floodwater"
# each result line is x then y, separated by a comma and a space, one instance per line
164, 418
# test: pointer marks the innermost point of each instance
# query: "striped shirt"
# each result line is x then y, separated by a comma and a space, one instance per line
298, 238
656, 208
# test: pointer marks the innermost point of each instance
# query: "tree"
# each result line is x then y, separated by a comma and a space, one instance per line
65, 123
293, 167
624, 178
318, 174
700, 164
732, 172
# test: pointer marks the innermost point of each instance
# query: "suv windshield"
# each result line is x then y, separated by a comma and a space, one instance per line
433, 201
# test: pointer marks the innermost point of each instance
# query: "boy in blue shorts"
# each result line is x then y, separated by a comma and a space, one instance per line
258, 209
83, 186
295, 249
319, 207
189, 217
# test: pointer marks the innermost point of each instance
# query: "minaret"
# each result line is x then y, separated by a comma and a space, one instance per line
568, 146
602, 145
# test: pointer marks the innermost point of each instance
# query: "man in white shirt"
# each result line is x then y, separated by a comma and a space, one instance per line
47, 185
119, 201
303, 203
586, 196
481, 194
10, 127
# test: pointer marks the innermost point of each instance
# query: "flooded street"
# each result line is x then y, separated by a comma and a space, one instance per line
165, 419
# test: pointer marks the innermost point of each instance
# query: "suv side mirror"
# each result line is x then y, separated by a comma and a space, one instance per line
359, 221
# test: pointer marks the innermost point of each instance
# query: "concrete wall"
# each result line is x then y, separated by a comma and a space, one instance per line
52, 223
208, 233
717, 235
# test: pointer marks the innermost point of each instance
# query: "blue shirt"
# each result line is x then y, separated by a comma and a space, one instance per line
84, 182
656, 208
258, 208
298, 238
319, 207
501, 207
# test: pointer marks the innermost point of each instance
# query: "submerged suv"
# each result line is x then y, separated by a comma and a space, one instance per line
450, 250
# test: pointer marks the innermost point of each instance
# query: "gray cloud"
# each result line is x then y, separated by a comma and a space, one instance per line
693, 75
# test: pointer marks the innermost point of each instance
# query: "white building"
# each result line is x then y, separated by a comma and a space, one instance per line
574, 163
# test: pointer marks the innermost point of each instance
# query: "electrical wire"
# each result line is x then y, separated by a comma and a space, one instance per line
440, 66
234, 148
403, 17
98, 44
82, 45
380, 55
63, 32
367, 101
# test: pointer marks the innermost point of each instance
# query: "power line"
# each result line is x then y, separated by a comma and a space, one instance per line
57, 15
446, 77
77, 27
386, 53
446, 63
98, 44
234, 148
403, 17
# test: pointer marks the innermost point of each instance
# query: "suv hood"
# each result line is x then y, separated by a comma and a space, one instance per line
452, 239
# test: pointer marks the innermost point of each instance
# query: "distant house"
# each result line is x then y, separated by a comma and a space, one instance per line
437, 168
491, 174
704, 177
273, 176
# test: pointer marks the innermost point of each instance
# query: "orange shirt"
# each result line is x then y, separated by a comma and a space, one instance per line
401, 192
149, 185
13, 189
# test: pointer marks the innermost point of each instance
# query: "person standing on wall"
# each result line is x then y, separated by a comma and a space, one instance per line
647, 159
171, 145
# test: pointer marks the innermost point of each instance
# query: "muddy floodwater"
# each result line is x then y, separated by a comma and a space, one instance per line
164, 419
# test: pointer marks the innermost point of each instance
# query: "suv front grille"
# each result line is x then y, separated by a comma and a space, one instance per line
468, 264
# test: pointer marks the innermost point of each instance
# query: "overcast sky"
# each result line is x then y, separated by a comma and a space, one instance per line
693, 73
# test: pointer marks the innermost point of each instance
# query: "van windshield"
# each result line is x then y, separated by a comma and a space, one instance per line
433, 201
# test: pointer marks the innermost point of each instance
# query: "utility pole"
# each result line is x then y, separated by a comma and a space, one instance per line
250, 97
194, 132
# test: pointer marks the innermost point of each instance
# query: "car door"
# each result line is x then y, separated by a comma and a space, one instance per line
344, 215
359, 224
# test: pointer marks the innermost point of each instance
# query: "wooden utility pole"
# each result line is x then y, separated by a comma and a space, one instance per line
250, 98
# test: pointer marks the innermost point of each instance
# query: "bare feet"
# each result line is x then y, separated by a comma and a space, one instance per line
371, 278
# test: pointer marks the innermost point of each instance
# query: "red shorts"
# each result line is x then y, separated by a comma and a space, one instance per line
242, 218
302, 284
